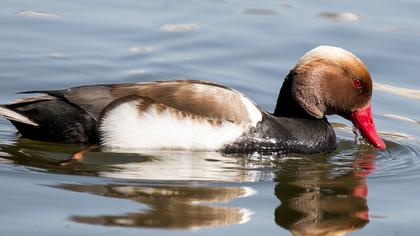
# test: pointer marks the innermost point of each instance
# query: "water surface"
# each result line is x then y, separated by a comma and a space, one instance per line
248, 45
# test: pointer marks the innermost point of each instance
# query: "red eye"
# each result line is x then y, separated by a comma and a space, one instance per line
357, 83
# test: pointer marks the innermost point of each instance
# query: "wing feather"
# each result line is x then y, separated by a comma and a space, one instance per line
199, 98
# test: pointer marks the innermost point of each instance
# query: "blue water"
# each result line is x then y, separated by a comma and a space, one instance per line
248, 45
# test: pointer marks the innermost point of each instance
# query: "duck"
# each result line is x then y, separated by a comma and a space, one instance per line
207, 116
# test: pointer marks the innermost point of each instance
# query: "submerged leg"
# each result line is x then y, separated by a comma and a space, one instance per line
78, 156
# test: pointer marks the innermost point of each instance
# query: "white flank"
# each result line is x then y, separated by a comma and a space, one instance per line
254, 113
125, 128
11, 115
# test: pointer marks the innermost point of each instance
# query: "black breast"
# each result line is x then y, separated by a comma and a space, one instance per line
286, 135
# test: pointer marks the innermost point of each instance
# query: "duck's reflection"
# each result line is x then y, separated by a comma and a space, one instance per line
188, 203
320, 195
146, 165
323, 197
183, 165
179, 207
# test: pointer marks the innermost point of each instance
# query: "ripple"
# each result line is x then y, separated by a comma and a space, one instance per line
399, 162
216, 1
392, 135
56, 55
340, 16
179, 27
140, 50
259, 11
403, 30
40, 14
399, 91
136, 72
401, 118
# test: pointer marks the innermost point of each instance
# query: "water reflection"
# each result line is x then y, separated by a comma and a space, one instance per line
319, 194
166, 182
175, 207
323, 197
145, 165
184, 165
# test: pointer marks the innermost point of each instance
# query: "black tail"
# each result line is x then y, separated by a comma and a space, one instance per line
51, 119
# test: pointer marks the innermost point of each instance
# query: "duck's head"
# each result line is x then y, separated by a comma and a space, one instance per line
329, 80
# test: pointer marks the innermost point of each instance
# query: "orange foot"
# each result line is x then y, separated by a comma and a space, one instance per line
78, 156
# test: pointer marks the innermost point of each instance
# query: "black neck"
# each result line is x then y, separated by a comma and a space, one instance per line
286, 105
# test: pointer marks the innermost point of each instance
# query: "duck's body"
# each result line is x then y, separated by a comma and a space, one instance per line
179, 114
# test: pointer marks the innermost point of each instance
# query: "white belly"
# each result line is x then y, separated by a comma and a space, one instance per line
125, 127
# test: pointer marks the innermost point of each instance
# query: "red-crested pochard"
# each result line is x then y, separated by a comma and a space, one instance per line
201, 115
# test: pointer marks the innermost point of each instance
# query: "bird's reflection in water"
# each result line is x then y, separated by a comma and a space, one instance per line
320, 195
144, 165
323, 197
187, 201
177, 207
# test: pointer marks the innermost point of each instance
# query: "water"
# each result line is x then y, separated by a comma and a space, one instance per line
247, 45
